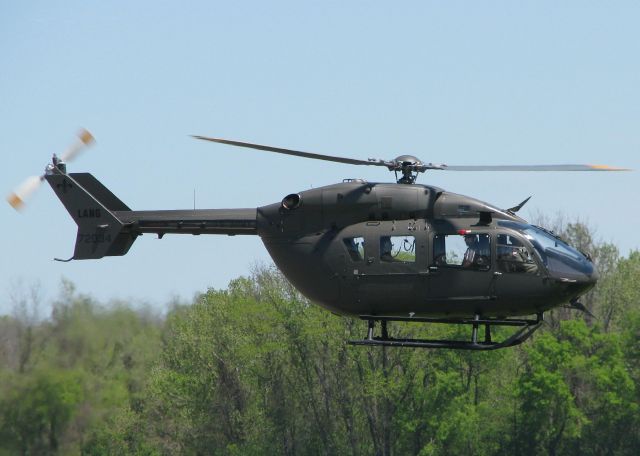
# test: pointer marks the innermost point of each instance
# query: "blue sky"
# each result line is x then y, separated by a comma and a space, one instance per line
452, 82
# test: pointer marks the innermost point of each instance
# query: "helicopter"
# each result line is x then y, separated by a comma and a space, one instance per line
383, 252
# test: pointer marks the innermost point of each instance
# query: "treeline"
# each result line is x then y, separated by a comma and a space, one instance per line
256, 369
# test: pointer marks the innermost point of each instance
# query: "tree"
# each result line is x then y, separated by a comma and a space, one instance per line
576, 394
38, 408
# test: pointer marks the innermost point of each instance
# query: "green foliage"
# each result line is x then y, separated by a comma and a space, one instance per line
577, 394
63, 380
37, 409
618, 293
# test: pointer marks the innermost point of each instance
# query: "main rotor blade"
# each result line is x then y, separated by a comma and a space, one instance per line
531, 168
298, 153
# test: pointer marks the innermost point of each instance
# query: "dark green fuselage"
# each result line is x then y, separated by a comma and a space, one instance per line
309, 235
307, 245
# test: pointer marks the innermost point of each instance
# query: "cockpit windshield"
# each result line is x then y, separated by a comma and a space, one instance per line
557, 255
543, 240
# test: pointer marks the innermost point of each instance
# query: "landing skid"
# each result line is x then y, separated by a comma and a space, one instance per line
527, 328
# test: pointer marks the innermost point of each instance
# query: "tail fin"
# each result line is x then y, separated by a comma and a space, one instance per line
91, 205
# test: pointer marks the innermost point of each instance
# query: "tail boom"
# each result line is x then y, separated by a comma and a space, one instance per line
203, 221
107, 227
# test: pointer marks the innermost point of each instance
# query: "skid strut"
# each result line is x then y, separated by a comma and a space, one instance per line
526, 328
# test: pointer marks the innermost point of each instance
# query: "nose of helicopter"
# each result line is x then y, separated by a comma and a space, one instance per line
587, 282
580, 279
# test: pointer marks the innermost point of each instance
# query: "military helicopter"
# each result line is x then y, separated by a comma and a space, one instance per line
384, 252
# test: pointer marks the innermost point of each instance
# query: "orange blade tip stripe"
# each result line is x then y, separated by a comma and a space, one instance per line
86, 137
608, 168
15, 201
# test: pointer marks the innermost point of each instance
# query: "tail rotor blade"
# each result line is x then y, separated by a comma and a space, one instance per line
85, 139
19, 197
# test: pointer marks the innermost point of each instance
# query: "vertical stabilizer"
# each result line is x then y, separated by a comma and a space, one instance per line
90, 204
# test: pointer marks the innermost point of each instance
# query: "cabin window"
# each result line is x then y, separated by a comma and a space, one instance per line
355, 247
469, 251
398, 249
513, 256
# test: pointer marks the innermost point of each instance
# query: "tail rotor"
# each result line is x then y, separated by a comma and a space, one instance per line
19, 197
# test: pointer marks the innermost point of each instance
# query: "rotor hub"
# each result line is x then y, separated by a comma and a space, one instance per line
409, 166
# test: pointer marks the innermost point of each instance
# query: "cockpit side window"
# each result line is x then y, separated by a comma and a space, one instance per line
355, 247
513, 256
398, 249
468, 251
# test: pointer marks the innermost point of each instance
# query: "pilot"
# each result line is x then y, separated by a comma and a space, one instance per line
521, 258
514, 256
385, 249
473, 248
